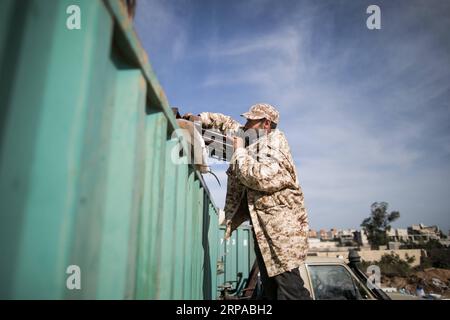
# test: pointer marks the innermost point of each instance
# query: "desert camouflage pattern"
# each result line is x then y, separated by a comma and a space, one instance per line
262, 111
220, 122
265, 173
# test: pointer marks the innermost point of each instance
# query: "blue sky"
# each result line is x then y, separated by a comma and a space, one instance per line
366, 112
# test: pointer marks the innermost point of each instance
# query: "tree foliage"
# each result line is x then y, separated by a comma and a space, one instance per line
392, 265
378, 223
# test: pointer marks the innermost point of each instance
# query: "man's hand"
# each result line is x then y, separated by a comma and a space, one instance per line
238, 142
228, 230
189, 116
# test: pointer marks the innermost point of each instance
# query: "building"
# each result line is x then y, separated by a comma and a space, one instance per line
334, 239
397, 235
394, 245
346, 237
332, 234
401, 234
315, 245
312, 233
323, 234
423, 233
390, 234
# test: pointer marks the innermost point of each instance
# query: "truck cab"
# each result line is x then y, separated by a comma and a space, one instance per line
325, 278
333, 279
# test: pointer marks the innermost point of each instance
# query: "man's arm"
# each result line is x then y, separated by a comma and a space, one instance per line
219, 121
211, 120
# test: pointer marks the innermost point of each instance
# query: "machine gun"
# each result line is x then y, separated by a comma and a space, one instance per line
218, 145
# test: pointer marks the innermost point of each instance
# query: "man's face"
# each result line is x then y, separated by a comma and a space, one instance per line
254, 124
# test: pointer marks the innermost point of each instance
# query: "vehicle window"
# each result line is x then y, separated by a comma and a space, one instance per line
333, 282
362, 291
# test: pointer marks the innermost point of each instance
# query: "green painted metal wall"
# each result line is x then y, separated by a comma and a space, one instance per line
237, 255
86, 176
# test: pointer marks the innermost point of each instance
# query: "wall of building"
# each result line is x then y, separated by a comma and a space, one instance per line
375, 255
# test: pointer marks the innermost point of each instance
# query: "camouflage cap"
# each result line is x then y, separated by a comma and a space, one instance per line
262, 111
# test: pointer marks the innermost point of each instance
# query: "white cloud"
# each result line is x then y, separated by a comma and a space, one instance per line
264, 61
346, 158
355, 139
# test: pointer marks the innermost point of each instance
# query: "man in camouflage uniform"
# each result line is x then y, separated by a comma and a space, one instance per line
263, 187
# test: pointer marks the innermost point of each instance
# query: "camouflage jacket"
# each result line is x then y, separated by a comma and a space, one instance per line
265, 173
